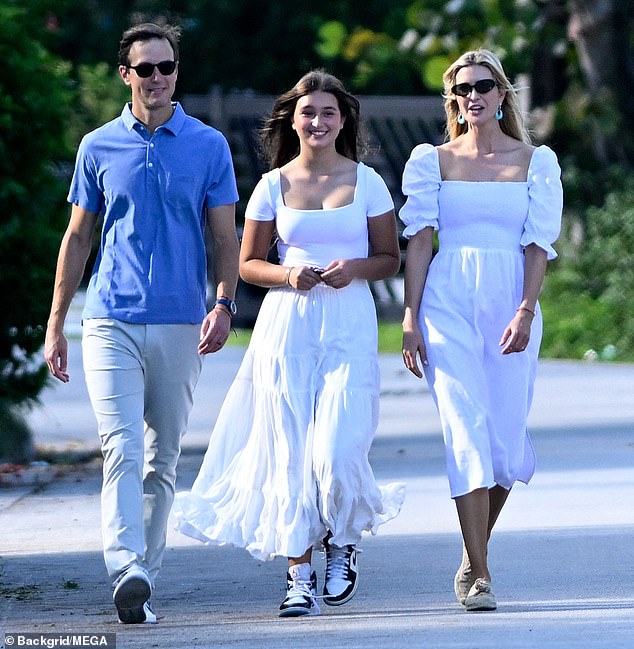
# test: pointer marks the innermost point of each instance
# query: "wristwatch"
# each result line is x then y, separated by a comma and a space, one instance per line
228, 303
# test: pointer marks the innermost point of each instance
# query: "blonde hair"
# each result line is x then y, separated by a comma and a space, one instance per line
511, 123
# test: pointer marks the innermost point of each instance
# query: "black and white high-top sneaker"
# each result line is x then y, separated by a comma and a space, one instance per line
301, 591
342, 573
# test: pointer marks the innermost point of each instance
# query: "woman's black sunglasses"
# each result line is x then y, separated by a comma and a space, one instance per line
481, 87
146, 70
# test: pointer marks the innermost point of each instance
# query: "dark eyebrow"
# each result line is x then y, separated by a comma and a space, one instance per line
322, 108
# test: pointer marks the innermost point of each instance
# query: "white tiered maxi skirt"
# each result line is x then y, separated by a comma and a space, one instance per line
288, 456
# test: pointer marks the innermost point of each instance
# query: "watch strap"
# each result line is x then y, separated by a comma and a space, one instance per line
228, 303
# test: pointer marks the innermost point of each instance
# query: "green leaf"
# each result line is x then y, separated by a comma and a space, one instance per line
332, 35
433, 69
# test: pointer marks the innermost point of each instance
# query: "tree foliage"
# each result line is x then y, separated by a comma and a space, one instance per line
247, 44
434, 33
34, 102
99, 97
588, 301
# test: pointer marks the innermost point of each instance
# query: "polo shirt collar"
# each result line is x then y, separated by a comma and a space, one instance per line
174, 124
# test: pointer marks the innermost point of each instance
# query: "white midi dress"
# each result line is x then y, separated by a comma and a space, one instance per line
288, 457
473, 288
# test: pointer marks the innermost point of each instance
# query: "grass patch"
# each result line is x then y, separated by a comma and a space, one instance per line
390, 337
239, 338
20, 593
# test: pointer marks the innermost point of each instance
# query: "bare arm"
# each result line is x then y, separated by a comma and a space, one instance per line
223, 241
71, 261
517, 334
255, 269
418, 258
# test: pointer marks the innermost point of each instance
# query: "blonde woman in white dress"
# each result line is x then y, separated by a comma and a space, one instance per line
287, 466
472, 318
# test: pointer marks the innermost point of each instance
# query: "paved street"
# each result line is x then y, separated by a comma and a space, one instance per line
561, 555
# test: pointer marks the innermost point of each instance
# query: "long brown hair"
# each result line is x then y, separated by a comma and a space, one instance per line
279, 141
511, 123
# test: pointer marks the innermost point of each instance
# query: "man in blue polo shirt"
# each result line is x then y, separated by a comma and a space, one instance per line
160, 179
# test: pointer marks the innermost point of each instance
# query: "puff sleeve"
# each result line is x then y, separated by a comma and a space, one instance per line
545, 195
421, 184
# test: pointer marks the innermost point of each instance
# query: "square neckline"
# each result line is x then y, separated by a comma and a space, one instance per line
323, 209
488, 182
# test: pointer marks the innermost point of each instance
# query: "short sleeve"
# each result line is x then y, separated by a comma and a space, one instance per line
261, 206
222, 190
84, 188
545, 206
378, 197
421, 185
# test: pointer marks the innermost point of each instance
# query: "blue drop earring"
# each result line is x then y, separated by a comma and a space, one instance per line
461, 119
499, 115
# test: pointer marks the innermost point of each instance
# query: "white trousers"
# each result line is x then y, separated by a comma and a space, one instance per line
141, 380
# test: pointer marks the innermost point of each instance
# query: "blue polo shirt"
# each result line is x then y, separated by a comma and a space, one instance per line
153, 192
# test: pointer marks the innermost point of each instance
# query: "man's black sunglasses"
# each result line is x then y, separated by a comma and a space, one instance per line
146, 70
481, 87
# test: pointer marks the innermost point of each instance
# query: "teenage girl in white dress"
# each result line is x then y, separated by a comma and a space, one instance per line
287, 466
471, 314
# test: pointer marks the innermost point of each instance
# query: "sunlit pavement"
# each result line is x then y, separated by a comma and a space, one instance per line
561, 556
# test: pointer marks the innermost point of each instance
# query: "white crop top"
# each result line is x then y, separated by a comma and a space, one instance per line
317, 237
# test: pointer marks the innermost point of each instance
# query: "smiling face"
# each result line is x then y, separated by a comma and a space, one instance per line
478, 108
153, 93
317, 119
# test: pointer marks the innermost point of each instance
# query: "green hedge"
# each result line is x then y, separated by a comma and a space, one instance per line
588, 300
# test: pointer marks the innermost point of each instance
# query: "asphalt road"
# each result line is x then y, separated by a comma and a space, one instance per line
561, 556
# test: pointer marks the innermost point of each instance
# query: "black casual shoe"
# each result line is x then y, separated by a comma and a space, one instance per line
300, 594
131, 597
342, 573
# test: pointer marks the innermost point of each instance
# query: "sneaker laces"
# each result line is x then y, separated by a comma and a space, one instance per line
482, 585
300, 588
303, 588
337, 560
